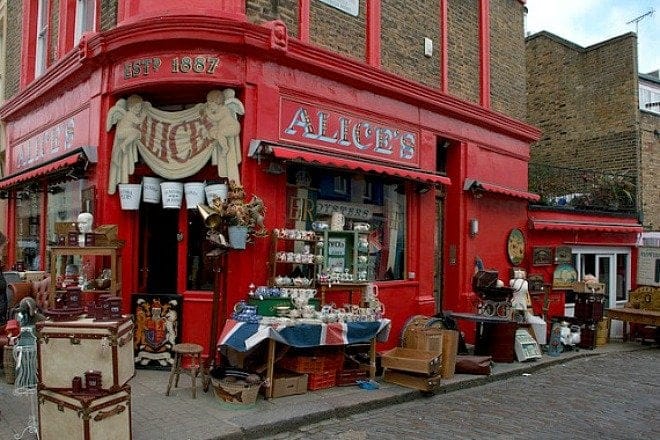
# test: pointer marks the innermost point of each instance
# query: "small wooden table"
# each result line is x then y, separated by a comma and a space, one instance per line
245, 336
628, 315
495, 335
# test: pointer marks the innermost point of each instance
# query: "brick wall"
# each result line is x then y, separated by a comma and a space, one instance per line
650, 169
337, 31
53, 28
584, 101
463, 48
507, 58
13, 48
108, 14
259, 11
404, 26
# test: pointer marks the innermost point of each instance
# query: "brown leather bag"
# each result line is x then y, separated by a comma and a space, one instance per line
466, 364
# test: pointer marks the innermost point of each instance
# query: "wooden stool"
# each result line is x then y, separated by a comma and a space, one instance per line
194, 353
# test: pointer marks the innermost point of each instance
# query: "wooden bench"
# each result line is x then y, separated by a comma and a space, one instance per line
643, 307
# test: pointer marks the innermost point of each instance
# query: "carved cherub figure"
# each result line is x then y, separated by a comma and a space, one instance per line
128, 115
222, 110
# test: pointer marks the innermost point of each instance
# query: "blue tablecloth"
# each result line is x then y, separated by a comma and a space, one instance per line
243, 336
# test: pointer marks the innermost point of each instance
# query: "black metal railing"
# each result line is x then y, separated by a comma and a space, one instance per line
571, 188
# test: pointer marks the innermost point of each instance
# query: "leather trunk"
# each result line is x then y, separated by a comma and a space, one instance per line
85, 417
67, 349
466, 364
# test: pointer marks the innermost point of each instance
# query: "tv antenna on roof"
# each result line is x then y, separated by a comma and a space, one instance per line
636, 20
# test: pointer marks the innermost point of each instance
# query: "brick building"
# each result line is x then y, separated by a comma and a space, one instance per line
406, 115
592, 165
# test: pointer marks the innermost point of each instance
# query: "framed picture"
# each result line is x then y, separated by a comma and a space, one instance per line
563, 255
564, 277
535, 283
542, 256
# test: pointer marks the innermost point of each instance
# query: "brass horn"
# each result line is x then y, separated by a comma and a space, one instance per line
211, 218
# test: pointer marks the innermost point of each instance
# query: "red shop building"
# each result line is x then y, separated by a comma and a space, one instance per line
205, 95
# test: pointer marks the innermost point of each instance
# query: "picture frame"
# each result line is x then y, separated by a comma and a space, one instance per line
542, 256
563, 255
536, 282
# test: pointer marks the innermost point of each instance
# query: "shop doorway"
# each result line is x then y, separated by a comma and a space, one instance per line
158, 249
611, 266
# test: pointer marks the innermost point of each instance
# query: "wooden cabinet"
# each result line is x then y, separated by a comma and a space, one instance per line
293, 259
346, 256
92, 258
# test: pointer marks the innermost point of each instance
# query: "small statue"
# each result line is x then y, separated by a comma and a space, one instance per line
28, 312
256, 212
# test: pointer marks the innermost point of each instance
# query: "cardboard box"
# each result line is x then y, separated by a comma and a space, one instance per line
105, 235
411, 380
64, 415
289, 384
412, 360
67, 349
582, 287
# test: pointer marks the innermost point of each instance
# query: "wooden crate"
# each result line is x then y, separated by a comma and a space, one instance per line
449, 352
420, 382
412, 360
67, 349
426, 339
77, 417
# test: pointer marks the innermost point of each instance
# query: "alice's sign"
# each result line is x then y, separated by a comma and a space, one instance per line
347, 134
50, 143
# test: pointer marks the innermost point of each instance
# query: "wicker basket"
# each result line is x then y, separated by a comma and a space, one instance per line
9, 364
236, 394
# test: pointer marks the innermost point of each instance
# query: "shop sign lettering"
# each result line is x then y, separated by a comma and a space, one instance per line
187, 64
350, 210
46, 145
346, 133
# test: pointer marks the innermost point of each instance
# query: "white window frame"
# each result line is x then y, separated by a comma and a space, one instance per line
42, 36
85, 18
649, 98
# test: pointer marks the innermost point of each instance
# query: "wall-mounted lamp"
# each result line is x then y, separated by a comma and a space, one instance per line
275, 167
474, 227
423, 189
474, 187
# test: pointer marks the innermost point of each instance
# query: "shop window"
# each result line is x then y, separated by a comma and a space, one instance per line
378, 201
41, 61
27, 219
85, 18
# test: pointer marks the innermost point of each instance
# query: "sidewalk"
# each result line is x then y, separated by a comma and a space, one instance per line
180, 417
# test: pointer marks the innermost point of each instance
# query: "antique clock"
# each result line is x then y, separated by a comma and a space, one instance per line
515, 246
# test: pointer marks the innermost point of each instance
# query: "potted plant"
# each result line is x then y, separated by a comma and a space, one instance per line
243, 219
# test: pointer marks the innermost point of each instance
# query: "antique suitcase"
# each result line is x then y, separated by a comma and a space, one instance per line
412, 360
85, 417
67, 349
420, 382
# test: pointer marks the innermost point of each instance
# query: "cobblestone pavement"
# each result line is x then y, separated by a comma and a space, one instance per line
616, 396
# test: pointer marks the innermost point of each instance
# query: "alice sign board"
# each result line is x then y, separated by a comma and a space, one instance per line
349, 134
349, 6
